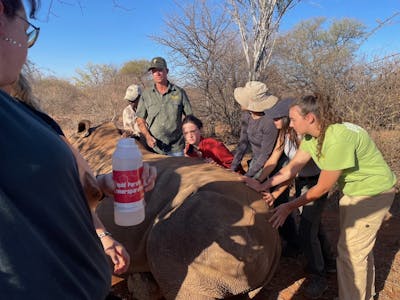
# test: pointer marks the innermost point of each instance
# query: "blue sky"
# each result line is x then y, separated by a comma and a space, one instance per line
99, 32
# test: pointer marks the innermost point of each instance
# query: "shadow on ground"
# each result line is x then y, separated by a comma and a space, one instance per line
289, 277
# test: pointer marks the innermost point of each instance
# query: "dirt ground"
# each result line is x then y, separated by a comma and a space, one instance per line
288, 279
287, 282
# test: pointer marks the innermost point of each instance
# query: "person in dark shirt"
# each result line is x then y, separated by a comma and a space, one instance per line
47, 233
22, 92
260, 134
258, 130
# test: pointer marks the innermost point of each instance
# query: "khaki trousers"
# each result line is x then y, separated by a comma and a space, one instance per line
360, 219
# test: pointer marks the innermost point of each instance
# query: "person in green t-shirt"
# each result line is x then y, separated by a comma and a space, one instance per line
345, 154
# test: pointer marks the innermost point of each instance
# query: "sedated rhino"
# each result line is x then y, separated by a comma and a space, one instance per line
205, 235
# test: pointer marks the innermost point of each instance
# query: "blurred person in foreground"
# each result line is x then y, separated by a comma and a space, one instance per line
132, 95
345, 154
47, 234
160, 112
22, 92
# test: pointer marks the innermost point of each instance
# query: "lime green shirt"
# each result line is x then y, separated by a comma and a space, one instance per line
349, 148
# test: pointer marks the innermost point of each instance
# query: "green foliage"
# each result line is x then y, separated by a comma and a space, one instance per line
315, 56
95, 75
136, 68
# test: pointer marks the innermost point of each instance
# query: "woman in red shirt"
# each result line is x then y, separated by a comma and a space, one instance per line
209, 149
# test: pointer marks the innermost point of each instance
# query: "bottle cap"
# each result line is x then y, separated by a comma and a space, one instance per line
127, 142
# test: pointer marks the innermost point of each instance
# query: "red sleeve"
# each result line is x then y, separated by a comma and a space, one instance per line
216, 150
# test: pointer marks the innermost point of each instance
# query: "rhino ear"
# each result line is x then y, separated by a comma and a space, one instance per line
83, 128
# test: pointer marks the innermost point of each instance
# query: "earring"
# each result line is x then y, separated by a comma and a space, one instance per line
12, 42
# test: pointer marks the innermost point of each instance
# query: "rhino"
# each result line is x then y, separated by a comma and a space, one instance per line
206, 235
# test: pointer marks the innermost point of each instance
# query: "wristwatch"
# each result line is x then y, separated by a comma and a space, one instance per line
103, 234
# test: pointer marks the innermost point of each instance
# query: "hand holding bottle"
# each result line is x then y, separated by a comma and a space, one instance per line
149, 176
129, 192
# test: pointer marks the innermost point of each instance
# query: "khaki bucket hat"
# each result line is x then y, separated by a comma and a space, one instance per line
254, 96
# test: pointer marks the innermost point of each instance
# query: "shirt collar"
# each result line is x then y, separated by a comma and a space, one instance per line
171, 87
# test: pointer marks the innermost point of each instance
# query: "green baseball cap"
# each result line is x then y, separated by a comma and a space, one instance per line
158, 63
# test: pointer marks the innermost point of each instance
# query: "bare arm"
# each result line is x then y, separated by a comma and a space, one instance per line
325, 182
272, 161
89, 183
142, 126
94, 193
94, 189
289, 171
270, 197
112, 248
150, 140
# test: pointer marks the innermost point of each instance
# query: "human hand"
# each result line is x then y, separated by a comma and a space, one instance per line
252, 183
192, 152
280, 214
149, 177
106, 183
211, 161
118, 254
185, 153
269, 198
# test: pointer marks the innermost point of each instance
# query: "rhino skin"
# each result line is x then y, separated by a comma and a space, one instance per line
206, 235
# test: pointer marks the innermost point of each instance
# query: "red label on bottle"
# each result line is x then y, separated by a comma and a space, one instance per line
129, 186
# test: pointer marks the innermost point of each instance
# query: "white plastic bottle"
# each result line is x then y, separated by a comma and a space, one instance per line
129, 194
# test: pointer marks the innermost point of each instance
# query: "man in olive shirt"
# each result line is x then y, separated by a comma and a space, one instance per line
160, 112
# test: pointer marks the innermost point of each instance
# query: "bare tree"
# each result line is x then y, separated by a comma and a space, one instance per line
202, 41
374, 100
258, 22
314, 57
95, 74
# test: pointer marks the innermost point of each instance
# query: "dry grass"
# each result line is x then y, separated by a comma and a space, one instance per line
388, 141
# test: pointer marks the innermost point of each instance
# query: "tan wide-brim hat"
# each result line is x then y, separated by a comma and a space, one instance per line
254, 96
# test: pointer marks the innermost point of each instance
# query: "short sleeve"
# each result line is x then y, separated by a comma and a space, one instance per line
141, 109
